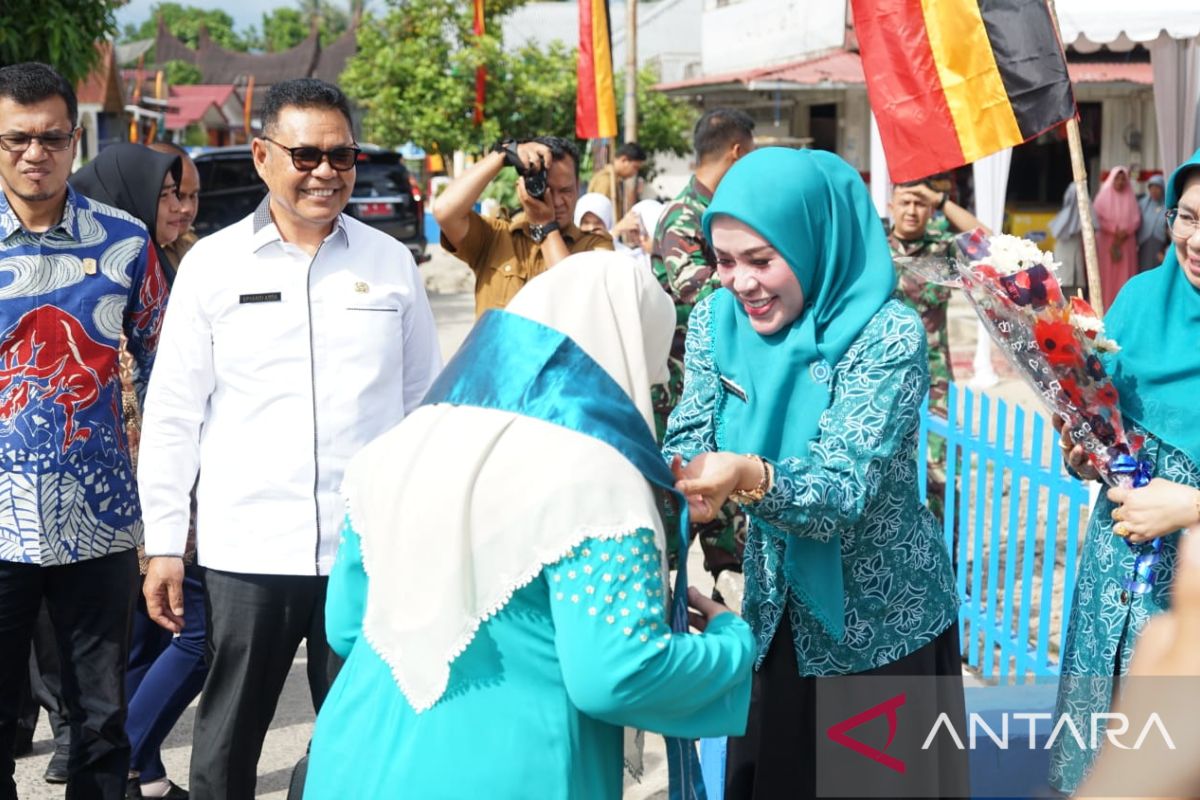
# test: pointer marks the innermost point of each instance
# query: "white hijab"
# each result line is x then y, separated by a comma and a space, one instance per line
597, 204
458, 507
651, 212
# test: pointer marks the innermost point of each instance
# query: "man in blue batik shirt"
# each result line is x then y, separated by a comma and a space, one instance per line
74, 276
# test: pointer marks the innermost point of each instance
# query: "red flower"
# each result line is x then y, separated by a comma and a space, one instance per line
1107, 395
1071, 391
986, 271
1057, 342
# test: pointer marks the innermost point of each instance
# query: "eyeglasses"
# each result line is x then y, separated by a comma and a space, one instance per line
308, 158
1182, 226
52, 141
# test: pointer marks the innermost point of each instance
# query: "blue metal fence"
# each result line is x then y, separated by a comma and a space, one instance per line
1020, 520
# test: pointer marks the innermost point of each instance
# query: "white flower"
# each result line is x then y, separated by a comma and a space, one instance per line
1011, 254
1087, 324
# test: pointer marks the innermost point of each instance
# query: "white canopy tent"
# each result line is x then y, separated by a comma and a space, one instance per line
1170, 29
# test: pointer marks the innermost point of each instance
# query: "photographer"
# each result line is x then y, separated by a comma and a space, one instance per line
505, 255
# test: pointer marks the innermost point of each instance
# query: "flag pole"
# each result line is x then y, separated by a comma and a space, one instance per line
1091, 262
631, 66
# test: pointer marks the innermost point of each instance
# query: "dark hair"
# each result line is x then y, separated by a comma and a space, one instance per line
632, 151
32, 82
303, 93
720, 129
561, 148
911, 184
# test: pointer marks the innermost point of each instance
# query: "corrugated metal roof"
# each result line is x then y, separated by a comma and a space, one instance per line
844, 68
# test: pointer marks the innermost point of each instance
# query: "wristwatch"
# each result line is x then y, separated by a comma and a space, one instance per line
942, 203
539, 232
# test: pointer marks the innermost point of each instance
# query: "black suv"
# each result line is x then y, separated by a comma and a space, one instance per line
384, 196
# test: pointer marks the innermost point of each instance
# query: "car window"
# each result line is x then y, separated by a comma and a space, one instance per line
232, 173
380, 179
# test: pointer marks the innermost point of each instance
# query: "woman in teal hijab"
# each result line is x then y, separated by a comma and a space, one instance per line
802, 394
1155, 319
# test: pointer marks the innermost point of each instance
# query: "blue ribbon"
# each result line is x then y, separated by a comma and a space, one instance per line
1139, 473
510, 363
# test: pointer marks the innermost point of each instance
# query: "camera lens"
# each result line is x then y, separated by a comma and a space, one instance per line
535, 183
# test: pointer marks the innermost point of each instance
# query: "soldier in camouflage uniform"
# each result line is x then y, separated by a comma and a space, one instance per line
915, 233
683, 263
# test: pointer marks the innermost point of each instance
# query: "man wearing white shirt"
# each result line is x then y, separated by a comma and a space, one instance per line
293, 337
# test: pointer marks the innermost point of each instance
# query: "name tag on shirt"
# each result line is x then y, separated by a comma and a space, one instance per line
261, 297
734, 389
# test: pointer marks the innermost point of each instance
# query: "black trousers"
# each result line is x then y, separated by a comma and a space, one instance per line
90, 604
255, 625
776, 759
43, 687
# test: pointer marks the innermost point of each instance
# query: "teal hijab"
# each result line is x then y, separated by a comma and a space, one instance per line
1156, 321
815, 210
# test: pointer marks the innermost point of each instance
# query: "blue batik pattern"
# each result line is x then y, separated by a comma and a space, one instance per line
66, 297
858, 480
1107, 618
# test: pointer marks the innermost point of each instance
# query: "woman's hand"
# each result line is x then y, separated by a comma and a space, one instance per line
626, 224
703, 610
1154, 510
1073, 454
709, 478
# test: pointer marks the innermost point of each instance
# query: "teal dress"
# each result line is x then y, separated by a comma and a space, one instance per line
1106, 618
539, 697
858, 479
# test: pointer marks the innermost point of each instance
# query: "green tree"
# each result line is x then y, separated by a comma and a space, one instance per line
663, 121
531, 92
59, 32
179, 73
283, 29
330, 20
414, 73
185, 22
286, 27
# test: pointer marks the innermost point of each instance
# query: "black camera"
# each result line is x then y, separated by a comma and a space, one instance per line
535, 182
535, 179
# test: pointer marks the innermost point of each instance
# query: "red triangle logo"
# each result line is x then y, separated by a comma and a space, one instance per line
837, 733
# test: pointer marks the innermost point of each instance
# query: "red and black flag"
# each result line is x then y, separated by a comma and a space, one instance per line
595, 102
952, 81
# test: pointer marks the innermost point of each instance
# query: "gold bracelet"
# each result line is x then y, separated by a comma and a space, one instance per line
758, 492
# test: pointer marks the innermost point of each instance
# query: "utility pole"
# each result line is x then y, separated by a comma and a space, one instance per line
631, 64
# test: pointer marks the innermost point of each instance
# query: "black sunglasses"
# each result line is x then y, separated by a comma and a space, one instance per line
308, 158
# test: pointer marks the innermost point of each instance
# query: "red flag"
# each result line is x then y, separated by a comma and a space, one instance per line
480, 71
595, 102
952, 81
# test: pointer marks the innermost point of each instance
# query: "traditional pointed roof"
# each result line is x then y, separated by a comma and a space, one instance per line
102, 86
218, 65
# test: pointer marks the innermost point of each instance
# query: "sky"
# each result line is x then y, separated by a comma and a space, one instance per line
244, 12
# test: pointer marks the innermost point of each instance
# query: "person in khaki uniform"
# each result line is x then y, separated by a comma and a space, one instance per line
610, 181
505, 255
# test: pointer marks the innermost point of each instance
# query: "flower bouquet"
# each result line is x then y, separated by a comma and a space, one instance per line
1053, 342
